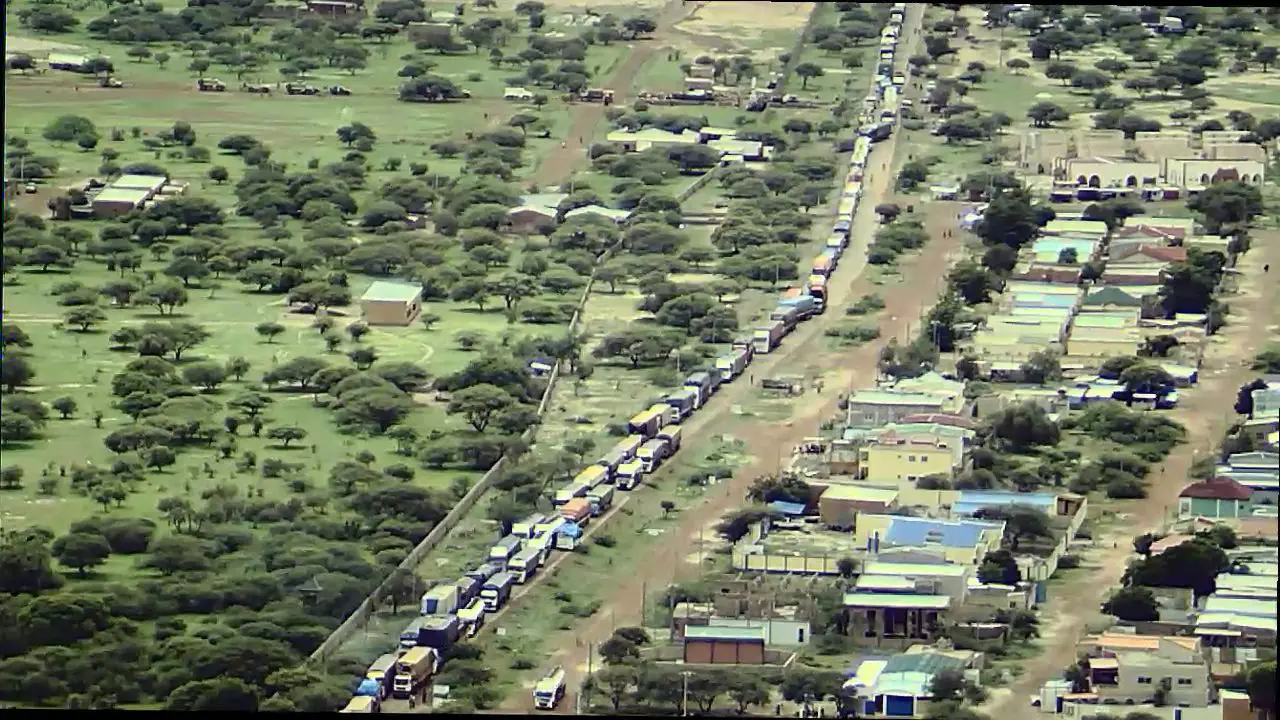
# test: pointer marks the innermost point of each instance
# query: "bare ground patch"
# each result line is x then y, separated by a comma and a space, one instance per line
726, 26
34, 46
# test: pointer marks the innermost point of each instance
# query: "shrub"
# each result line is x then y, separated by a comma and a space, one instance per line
1068, 562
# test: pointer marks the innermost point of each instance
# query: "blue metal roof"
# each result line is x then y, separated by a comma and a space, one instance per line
921, 531
787, 508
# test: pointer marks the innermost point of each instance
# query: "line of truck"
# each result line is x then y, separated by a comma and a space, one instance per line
454, 611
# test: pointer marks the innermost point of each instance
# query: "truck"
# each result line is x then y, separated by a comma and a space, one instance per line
732, 363
703, 384
818, 289
439, 632
788, 315
369, 687
684, 401
524, 564
629, 445
767, 338
361, 704
413, 669
524, 528
471, 618
505, 548
545, 542
833, 256
652, 453
668, 413
593, 476
577, 510
806, 304
837, 243
672, 436
409, 635
210, 85
551, 526
549, 690
484, 572
646, 423
611, 460
822, 266
468, 589
600, 499
569, 492
383, 671
629, 475
496, 592
440, 600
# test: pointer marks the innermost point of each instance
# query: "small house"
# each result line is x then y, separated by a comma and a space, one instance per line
710, 645
113, 202
389, 303
517, 94
332, 8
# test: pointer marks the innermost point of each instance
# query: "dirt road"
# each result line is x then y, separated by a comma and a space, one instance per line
1205, 412
560, 165
769, 441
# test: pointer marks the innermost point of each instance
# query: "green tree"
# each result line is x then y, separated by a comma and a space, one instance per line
1133, 604
81, 551
480, 403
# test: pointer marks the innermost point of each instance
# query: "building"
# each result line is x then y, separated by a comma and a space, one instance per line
899, 686
651, 137
528, 218
710, 645
895, 620
746, 149
1105, 298
839, 505
391, 303
963, 542
67, 62
972, 501
1198, 173
1132, 275
1219, 497
1132, 668
1101, 172
1146, 255
599, 211
932, 578
1048, 272
898, 460
113, 202
333, 8
880, 407
1077, 226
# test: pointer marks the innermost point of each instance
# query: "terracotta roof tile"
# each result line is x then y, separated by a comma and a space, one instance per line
1219, 488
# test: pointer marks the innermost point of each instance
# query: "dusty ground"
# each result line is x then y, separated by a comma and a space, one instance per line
35, 46
735, 26
1205, 413
770, 441
620, 8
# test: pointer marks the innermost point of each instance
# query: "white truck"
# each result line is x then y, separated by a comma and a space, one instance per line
629, 475
550, 690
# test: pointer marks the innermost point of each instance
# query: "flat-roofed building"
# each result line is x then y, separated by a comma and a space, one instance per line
391, 303
113, 202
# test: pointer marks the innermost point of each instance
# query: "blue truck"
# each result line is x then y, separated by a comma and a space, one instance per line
684, 401
497, 591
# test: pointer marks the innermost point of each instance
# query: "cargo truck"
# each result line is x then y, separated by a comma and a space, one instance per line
369, 687
361, 704
440, 600
629, 475
409, 635
666, 412
600, 499
439, 632
788, 315
485, 571
468, 589
833, 257
505, 548
767, 338
551, 525
701, 383
497, 591
684, 401
733, 363
383, 670
412, 672
818, 289
629, 445
549, 691
672, 436
524, 564
544, 542
524, 528
821, 266
744, 342
652, 453
568, 492
646, 423
593, 476
837, 243
577, 510
806, 304
471, 618
611, 460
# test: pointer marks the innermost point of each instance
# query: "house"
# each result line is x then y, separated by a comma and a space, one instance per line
1147, 255
895, 460
1198, 173
1091, 228
746, 149
114, 202
1047, 272
958, 421
1219, 497
1102, 172
390, 303
972, 501
710, 132
697, 83
708, 645
839, 505
650, 137
1209, 243
879, 407
963, 542
601, 211
895, 620
332, 8
938, 578
932, 383
1103, 298
528, 218
899, 686
1131, 669
1169, 230
1122, 274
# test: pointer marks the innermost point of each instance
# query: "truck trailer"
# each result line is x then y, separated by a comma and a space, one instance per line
549, 690
629, 475
788, 315
600, 499
684, 401
440, 600
505, 548
577, 510
524, 528
732, 364
525, 564
646, 423
412, 672
806, 304
652, 453
768, 337
471, 618
482, 573
383, 670
568, 492
672, 436
593, 476
468, 589
497, 591
361, 704
705, 383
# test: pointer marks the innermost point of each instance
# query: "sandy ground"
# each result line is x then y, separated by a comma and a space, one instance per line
34, 46
618, 8
729, 27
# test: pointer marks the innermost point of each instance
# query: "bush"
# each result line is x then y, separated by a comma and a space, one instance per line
1068, 562
605, 541
853, 333
865, 304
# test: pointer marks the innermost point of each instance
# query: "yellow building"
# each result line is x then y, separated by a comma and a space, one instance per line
898, 461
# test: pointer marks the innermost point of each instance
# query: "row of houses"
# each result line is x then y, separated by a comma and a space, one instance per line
1194, 173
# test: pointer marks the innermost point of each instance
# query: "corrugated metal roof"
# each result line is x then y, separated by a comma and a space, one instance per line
787, 508
914, 569
925, 662
386, 291
859, 493
884, 582
914, 602
922, 531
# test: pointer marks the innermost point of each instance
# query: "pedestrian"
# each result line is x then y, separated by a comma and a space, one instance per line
1266, 268
777, 709
412, 702
751, 379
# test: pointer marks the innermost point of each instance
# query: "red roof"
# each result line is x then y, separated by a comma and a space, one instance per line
941, 419
1164, 254
1050, 274
1219, 488
1151, 229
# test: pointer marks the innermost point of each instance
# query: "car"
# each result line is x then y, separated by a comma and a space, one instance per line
30, 188
899, 80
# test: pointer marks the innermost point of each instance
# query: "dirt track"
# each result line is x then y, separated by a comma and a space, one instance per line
1205, 412
561, 164
769, 441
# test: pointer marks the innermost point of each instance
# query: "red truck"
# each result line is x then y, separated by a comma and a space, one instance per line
577, 510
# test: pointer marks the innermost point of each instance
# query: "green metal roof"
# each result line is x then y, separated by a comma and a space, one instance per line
385, 291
